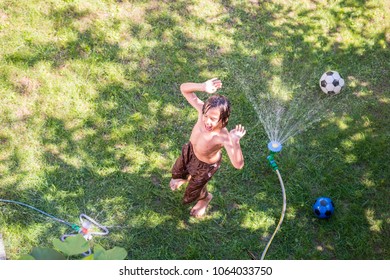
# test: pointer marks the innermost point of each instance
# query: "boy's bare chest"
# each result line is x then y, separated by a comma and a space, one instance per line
206, 145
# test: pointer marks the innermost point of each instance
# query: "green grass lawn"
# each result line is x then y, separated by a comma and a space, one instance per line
92, 120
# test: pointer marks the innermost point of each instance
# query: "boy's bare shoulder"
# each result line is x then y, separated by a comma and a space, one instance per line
224, 134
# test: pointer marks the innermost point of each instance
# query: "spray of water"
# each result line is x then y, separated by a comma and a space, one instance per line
284, 112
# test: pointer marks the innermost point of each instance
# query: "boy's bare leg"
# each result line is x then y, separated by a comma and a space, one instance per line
176, 183
200, 207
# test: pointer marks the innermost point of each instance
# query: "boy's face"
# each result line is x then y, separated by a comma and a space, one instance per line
211, 119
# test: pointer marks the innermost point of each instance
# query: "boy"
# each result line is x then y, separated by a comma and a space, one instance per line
201, 156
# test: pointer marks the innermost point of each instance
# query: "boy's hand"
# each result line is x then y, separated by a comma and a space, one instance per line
212, 85
238, 132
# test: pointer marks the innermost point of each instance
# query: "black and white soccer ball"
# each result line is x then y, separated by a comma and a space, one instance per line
331, 82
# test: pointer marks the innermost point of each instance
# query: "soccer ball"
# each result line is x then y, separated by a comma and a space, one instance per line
331, 82
323, 207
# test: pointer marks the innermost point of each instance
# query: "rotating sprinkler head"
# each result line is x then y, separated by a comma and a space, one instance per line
274, 147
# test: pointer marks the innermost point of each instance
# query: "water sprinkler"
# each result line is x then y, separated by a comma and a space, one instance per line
87, 230
88, 227
274, 147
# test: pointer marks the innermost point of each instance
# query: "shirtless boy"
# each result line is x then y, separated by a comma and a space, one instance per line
201, 156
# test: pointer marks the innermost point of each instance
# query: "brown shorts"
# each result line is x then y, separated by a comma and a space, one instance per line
201, 172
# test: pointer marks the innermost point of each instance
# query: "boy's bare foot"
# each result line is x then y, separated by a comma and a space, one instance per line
200, 207
176, 183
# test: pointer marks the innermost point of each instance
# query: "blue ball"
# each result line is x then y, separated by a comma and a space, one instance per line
323, 207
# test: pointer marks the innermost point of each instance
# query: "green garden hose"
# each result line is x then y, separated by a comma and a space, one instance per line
86, 222
73, 226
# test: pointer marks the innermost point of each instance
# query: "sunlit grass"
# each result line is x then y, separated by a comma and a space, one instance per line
91, 121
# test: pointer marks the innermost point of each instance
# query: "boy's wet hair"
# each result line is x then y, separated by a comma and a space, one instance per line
220, 102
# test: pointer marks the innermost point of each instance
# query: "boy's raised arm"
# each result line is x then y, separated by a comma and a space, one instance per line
233, 148
188, 90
